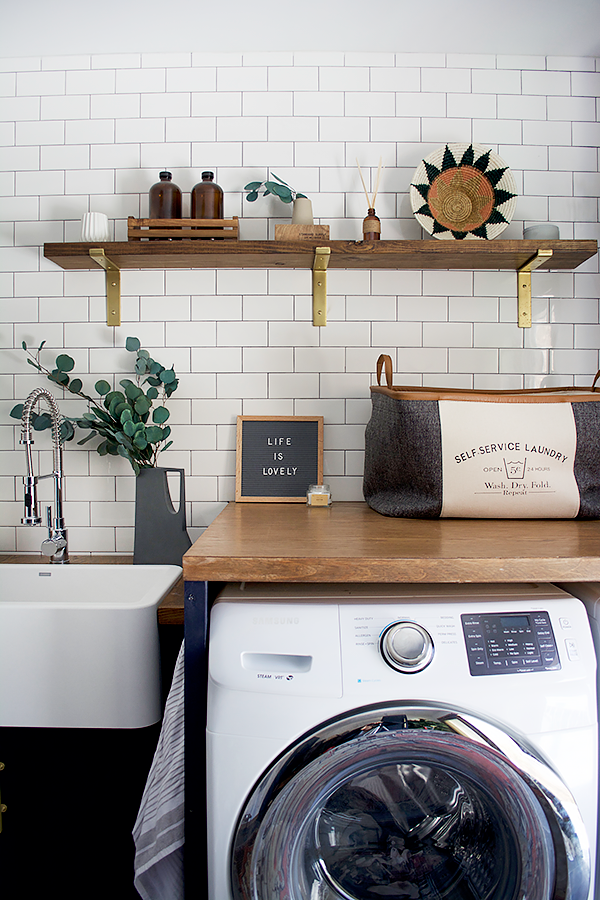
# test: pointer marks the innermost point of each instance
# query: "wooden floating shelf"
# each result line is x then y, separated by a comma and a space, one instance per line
420, 255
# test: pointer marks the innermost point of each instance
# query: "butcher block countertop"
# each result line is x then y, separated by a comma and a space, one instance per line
349, 542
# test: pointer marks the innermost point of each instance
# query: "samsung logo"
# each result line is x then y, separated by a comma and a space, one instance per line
276, 620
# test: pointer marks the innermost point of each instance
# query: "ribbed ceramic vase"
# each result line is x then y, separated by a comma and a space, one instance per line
161, 537
94, 227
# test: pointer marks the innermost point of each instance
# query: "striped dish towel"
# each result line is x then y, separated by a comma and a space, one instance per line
159, 828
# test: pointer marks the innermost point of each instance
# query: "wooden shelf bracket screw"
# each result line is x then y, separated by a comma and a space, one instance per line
113, 285
524, 286
321, 261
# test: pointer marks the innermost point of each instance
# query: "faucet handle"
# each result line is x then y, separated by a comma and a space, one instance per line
51, 546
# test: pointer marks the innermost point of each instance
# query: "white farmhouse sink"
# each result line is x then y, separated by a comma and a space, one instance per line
79, 645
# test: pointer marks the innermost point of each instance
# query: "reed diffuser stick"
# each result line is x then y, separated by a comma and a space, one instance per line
379, 170
371, 203
363, 182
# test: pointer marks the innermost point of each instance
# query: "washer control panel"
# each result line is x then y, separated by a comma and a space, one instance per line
406, 646
500, 643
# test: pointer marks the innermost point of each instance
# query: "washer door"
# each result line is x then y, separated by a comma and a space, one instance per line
409, 803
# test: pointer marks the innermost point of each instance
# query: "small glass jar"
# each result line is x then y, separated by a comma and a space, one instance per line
318, 495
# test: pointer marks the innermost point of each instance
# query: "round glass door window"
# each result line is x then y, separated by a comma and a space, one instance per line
397, 813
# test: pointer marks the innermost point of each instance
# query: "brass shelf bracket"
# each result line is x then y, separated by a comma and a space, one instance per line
113, 285
524, 286
321, 261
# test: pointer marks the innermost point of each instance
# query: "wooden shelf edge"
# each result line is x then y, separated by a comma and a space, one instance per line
419, 255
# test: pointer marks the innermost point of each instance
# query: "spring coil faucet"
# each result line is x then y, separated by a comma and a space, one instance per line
56, 545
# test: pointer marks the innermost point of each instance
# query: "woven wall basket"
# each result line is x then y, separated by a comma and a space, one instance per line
463, 191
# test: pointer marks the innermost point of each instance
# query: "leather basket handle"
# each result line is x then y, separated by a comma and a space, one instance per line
386, 360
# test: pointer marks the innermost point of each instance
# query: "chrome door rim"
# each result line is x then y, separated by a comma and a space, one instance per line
481, 738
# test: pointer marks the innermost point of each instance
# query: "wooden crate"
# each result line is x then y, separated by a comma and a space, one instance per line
182, 229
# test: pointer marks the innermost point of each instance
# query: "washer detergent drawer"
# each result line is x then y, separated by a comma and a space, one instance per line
409, 802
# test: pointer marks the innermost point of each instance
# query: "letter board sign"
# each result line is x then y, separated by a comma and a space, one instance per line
277, 457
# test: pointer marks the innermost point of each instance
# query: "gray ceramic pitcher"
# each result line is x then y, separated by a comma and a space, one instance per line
160, 529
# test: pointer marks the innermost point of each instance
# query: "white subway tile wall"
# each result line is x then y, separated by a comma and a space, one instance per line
90, 133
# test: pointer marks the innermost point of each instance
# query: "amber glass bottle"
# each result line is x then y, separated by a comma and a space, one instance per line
165, 198
371, 227
207, 198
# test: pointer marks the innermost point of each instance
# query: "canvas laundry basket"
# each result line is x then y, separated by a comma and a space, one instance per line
444, 452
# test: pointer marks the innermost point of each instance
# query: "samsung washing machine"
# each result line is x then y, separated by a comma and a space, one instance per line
589, 593
401, 741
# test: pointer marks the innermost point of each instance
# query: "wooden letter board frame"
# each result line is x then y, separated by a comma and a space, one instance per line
277, 457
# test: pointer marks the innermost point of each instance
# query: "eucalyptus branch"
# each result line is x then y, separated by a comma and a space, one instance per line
119, 418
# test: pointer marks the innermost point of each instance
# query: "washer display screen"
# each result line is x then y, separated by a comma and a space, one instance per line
499, 643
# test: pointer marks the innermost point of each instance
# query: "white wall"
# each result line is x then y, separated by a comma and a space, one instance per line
92, 131
530, 27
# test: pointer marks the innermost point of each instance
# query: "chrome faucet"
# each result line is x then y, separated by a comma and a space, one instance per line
55, 546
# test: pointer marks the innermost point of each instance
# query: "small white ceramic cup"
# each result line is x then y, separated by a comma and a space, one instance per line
94, 227
544, 232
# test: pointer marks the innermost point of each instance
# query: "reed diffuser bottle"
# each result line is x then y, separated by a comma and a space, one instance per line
371, 222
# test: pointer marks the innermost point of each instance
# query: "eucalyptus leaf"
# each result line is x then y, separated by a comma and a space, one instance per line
140, 441
119, 408
66, 431
281, 191
41, 422
87, 438
17, 411
132, 391
143, 354
160, 415
132, 344
168, 376
102, 387
65, 363
152, 393
252, 185
142, 405
60, 377
129, 427
252, 196
154, 434
76, 384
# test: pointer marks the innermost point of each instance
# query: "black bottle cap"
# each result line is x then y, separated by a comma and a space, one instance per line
209, 175
165, 176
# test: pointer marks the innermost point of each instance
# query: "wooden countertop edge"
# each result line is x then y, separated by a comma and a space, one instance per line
170, 611
335, 570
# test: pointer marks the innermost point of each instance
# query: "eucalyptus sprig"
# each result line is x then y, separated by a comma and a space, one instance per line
119, 418
282, 190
